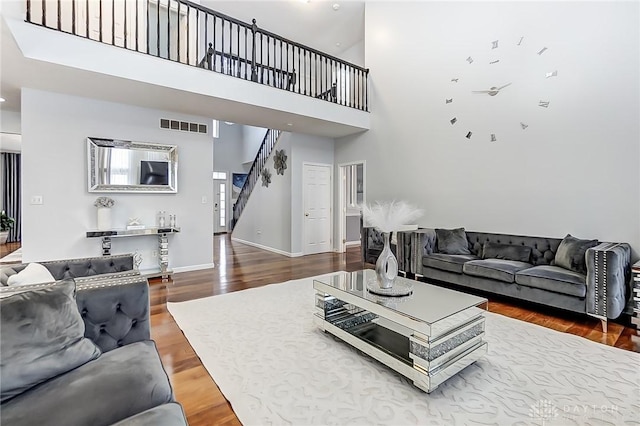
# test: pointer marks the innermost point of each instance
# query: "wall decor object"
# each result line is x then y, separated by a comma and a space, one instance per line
508, 87
280, 161
116, 165
266, 177
238, 182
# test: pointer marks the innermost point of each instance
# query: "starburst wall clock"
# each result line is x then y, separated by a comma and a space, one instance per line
500, 87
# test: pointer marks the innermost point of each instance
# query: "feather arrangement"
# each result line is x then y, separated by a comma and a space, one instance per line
390, 216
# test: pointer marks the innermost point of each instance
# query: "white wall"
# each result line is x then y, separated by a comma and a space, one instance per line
354, 54
266, 219
10, 129
252, 138
55, 128
573, 170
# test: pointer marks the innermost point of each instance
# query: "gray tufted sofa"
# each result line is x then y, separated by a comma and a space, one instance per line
602, 293
126, 384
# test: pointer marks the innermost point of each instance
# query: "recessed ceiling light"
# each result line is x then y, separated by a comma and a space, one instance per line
2, 99
338, 44
229, 123
336, 6
289, 124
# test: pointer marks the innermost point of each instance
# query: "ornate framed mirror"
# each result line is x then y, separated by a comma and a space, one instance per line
124, 166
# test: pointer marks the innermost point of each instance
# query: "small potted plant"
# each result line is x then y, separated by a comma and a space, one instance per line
6, 223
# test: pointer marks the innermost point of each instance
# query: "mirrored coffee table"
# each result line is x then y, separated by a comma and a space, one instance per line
428, 336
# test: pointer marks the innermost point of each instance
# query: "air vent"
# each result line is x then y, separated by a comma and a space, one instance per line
184, 126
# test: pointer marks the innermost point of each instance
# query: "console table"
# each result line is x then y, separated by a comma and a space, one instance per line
163, 244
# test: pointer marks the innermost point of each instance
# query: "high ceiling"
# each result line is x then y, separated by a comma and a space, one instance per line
328, 26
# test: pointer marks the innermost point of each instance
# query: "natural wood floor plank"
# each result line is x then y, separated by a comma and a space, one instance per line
239, 267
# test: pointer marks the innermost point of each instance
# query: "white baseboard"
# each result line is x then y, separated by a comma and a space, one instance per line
271, 249
193, 267
352, 243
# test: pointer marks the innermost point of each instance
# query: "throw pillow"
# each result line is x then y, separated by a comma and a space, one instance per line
42, 336
452, 241
571, 253
506, 251
34, 273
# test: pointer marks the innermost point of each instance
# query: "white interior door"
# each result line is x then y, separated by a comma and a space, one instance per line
317, 208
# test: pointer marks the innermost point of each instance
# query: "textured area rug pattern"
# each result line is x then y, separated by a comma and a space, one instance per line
275, 367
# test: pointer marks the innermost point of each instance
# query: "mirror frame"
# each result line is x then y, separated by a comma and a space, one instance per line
94, 143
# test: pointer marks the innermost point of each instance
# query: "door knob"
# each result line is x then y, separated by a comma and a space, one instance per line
306, 214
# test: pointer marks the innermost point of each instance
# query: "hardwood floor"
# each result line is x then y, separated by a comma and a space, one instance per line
8, 248
239, 267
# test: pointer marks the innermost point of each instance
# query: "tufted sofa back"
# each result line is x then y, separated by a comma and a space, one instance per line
543, 250
74, 268
115, 312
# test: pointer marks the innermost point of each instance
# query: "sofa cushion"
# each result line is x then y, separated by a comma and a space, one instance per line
492, 250
121, 383
162, 415
496, 269
452, 241
42, 337
553, 278
571, 253
447, 262
34, 273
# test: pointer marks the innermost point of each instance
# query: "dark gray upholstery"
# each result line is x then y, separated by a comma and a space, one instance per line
497, 269
114, 317
571, 251
553, 278
163, 415
560, 288
73, 268
117, 385
452, 241
447, 262
127, 379
492, 250
42, 337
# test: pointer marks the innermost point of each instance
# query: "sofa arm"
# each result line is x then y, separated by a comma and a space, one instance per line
423, 243
608, 279
115, 311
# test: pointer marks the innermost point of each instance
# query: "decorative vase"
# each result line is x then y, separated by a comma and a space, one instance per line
104, 218
387, 265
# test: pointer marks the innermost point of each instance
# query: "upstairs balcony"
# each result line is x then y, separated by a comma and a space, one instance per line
225, 68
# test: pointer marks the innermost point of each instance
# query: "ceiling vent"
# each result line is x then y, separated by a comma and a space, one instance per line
184, 126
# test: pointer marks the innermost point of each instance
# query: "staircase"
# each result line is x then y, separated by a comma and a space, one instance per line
268, 143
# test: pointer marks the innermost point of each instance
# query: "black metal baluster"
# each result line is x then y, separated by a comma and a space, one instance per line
261, 58
28, 10
113, 22
148, 29
168, 29
44, 13
158, 29
366, 91
137, 25
124, 29
208, 59
238, 65
222, 49
59, 15
178, 30
213, 59
197, 36
188, 31
299, 71
73, 17
245, 53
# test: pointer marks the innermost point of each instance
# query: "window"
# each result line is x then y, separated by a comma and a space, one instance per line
223, 204
220, 175
215, 129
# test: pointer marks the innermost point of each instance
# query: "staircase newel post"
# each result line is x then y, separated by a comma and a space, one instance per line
254, 70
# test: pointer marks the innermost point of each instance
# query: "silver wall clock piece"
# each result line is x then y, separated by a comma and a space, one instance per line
504, 105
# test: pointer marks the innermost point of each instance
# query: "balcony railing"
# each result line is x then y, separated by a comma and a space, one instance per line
189, 33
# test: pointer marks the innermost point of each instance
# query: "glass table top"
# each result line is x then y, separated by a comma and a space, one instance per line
428, 303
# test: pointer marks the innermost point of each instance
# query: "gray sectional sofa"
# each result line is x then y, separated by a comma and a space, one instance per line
527, 268
78, 351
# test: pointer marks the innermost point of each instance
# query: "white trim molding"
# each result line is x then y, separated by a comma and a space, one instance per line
267, 248
193, 268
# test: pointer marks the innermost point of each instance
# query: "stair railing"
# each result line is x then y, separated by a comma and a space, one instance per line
268, 142
189, 33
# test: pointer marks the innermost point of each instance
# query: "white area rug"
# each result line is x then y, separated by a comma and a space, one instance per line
14, 256
276, 367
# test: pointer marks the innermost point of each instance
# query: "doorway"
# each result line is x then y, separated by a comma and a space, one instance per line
351, 198
220, 202
317, 203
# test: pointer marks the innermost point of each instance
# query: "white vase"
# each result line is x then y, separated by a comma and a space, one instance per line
387, 265
104, 218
